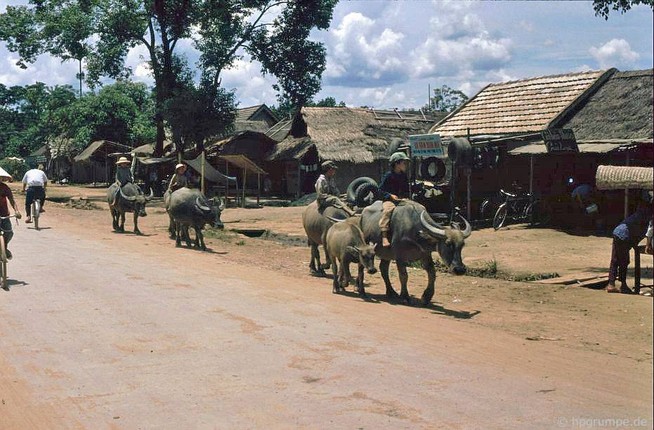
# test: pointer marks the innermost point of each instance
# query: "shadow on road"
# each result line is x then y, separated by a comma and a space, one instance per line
14, 283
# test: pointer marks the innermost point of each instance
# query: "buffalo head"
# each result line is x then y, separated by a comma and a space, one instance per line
365, 255
138, 201
211, 211
451, 240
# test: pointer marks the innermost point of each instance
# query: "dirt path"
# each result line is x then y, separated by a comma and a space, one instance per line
99, 331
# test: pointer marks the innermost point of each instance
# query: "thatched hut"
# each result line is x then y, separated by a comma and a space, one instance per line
357, 139
257, 118
94, 163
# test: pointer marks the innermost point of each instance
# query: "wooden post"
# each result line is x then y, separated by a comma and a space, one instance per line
245, 182
626, 194
227, 184
468, 202
258, 187
204, 160
298, 194
531, 175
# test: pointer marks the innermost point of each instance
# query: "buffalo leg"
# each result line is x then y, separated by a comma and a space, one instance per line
114, 219
136, 223
360, 287
171, 228
122, 222
347, 276
314, 266
337, 275
428, 265
383, 268
404, 278
178, 239
199, 238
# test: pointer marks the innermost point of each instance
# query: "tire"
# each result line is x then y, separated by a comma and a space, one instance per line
459, 150
363, 194
356, 183
500, 217
432, 169
3, 263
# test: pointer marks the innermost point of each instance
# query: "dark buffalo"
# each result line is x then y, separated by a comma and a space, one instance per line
130, 198
190, 208
414, 236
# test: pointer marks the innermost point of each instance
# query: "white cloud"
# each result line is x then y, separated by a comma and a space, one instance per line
614, 53
362, 53
46, 69
251, 86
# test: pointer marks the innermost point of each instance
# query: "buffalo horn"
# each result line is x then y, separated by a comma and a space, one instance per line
149, 197
428, 225
334, 219
222, 205
201, 206
468, 230
128, 198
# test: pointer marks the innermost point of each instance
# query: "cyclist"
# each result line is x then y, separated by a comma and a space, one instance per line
6, 196
36, 182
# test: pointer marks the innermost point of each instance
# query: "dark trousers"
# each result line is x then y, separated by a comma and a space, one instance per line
7, 230
619, 260
33, 193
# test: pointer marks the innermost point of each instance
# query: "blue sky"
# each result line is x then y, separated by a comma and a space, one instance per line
385, 53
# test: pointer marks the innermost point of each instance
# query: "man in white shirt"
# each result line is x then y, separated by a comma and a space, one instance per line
35, 181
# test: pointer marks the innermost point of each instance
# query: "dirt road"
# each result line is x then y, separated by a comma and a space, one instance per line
99, 331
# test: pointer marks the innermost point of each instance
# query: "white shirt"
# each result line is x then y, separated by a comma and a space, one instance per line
35, 178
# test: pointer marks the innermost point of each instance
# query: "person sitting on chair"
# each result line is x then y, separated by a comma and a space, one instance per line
394, 188
179, 179
326, 190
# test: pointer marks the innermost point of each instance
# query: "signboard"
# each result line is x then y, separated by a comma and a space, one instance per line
426, 145
560, 140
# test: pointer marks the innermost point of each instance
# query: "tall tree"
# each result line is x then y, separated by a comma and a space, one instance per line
446, 99
603, 7
274, 32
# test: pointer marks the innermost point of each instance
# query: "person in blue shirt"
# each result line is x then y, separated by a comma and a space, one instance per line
625, 236
394, 187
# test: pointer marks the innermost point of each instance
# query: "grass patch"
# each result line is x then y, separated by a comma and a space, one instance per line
220, 234
490, 269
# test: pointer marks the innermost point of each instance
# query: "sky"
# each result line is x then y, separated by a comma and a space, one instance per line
385, 53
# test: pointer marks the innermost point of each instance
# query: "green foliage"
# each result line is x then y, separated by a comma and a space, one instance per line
16, 168
446, 99
286, 109
603, 7
274, 32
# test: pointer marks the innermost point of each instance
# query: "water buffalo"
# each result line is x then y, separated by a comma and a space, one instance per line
190, 208
414, 236
344, 244
128, 199
316, 226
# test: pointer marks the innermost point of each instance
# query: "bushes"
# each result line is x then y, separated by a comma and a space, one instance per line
16, 167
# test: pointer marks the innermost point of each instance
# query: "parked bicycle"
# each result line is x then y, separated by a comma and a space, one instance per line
520, 208
3, 255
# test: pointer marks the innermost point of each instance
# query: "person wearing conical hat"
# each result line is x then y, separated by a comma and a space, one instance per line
179, 179
326, 190
6, 199
123, 171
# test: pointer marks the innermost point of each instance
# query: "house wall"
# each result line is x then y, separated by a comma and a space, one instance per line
93, 171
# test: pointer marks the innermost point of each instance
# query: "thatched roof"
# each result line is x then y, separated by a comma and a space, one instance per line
623, 177
252, 144
524, 106
345, 134
280, 131
620, 109
101, 149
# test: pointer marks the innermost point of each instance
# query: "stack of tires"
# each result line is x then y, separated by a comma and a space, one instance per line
362, 192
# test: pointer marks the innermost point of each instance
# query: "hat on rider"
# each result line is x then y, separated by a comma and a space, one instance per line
397, 157
179, 166
5, 175
123, 160
326, 165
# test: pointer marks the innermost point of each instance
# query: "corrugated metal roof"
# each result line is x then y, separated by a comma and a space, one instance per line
528, 105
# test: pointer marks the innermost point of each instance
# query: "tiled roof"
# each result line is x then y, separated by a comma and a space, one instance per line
524, 106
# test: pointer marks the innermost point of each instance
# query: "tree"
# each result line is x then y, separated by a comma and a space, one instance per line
286, 107
274, 32
603, 7
446, 99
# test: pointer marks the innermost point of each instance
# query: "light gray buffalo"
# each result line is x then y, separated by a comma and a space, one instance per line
128, 199
316, 226
190, 208
344, 244
414, 236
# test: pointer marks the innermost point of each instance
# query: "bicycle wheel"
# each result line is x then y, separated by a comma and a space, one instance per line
36, 212
500, 216
3, 263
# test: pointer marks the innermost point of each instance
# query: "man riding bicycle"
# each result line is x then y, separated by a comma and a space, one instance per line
6, 196
36, 181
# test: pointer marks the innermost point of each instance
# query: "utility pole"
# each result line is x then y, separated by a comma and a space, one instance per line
429, 96
80, 76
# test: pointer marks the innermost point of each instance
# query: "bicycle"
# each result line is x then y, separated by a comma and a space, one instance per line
3, 255
520, 208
